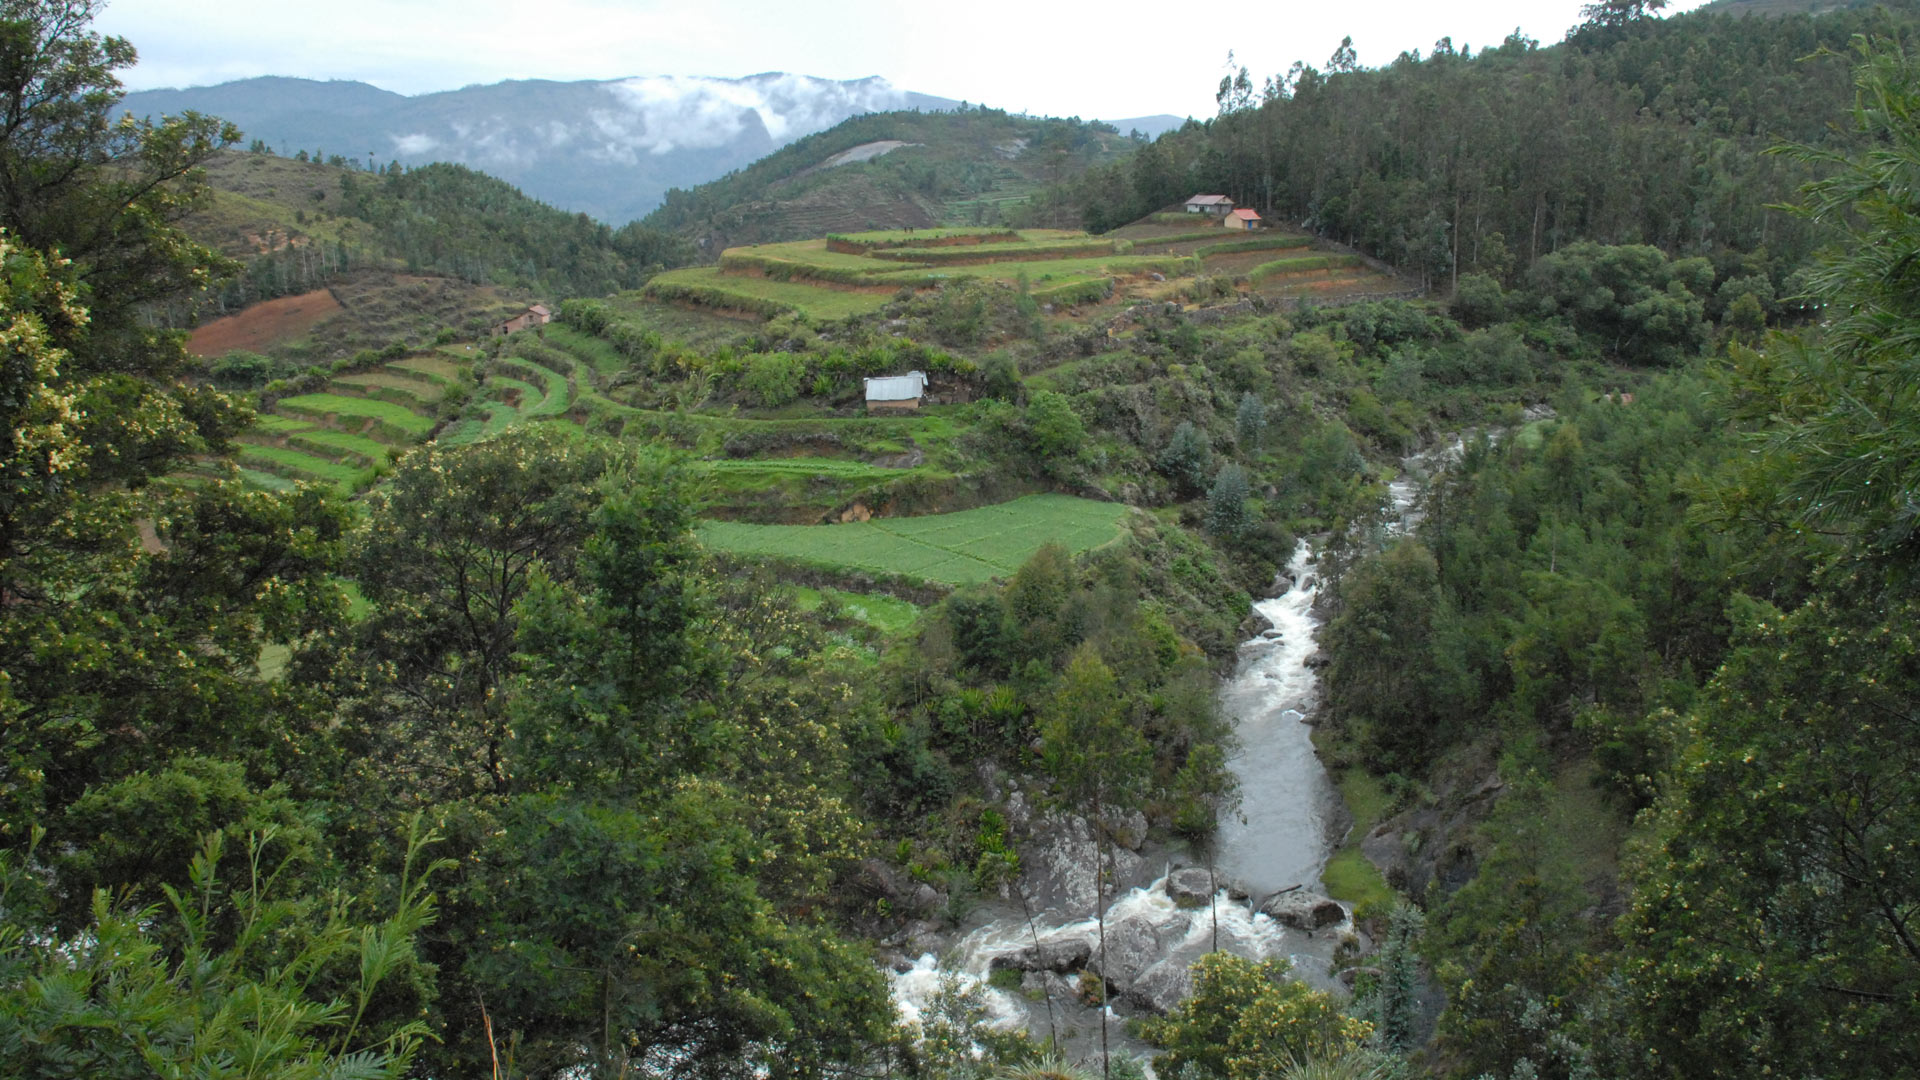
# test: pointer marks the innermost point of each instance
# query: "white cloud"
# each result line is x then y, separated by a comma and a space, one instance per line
415, 144
660, 113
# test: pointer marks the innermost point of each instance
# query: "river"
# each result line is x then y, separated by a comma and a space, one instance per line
1280, 839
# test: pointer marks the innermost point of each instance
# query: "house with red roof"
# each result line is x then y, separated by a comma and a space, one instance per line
1242, 219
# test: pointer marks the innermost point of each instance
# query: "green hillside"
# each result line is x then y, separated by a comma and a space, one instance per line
971, 167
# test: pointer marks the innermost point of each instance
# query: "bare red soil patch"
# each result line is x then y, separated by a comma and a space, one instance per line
264, 324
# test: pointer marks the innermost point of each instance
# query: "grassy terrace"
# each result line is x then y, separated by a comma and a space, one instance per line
280, 425
806, 466
322, 406
336, 444
954, 549
434, 369
710, 287
599, 355
555, 395
399, 389
301, 466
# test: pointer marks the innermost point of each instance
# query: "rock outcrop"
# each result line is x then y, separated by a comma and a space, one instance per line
1303, 910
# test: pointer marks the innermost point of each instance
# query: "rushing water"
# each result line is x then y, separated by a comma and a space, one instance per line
1279, 839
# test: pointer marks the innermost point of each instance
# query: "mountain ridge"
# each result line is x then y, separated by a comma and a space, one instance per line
609, 148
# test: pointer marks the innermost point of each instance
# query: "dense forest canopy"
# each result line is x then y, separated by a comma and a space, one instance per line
1631, 131
499, 768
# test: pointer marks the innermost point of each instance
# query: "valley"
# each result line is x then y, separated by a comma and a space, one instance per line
1408, 576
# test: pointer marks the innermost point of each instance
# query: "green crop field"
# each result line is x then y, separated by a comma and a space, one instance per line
336, 443
956, 549
598, 354
819, 303
431, 368
805, 467
1054, 269
281, 425
382, 384
320, 406
302, 465
267, 480
888, 614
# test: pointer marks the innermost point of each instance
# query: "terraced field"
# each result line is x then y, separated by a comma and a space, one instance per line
954, 549
344, 434
857, 273
339, 410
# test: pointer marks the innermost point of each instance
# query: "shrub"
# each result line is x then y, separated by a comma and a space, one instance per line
1055, 427
1187, 460
773, 379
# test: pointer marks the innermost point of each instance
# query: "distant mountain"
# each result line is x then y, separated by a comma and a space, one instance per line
1150, 126
610, 149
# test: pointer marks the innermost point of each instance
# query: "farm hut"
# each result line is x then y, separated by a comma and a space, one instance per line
537, 315
901, 392
1217, 205
1244, 220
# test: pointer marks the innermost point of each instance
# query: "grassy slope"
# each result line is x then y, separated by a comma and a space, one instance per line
954, 549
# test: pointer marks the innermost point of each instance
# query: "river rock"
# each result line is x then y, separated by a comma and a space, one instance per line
1191, 887
1060, 861
1162, 987
1060, 955
1303, 910
1133, 946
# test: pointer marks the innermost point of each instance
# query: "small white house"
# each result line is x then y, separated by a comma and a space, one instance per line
897, 391
1217, 205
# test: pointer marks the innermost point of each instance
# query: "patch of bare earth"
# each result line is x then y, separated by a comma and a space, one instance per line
265, 324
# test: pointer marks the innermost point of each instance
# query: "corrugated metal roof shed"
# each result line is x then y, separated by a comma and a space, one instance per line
897, 387
1209, 200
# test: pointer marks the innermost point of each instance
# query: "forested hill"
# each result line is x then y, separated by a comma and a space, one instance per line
892, 170
295, 223
1634, 130
1780, 7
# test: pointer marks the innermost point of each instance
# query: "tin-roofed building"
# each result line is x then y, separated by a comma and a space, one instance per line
897, 391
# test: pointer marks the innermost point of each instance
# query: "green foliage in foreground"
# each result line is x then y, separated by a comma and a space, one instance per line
954, 549
1247, 1020
225, 971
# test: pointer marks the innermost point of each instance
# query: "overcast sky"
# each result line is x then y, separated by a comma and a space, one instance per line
1115, 59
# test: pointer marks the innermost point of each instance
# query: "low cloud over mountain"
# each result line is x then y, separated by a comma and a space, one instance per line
610, 149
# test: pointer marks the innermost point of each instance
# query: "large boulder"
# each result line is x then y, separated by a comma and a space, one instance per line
1303, 910
1191, 887
1162, 987
1058, 955
1060, 861
1133, 945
